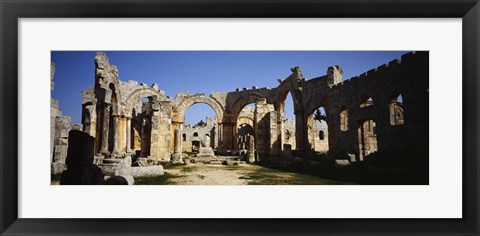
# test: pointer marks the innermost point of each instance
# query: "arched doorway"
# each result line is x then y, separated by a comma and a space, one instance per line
367, 132
288, 122
200, 120
245, 128
141, 127
367, 138
141, 123
317, 130
396, 110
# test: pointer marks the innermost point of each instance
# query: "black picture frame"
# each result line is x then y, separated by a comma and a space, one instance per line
11, 11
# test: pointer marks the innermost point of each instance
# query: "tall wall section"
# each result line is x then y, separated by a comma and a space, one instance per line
407, 77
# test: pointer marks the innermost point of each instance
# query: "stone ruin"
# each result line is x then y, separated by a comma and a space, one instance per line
60, 126
384, 109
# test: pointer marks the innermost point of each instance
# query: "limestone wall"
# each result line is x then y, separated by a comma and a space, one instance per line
408, 77
59, 127
193, 135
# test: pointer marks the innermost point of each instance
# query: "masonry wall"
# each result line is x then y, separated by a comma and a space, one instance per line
201, 131
407, 77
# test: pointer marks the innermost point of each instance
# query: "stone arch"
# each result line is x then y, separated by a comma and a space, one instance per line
317, 122
242, 102
245, 120
396, 109
136, 95
343, 118
182, 107
315, 99
310, 109
367, 138
285, 87
366, 101
89, 118
114, 98
107, 90
366, 108
290, 86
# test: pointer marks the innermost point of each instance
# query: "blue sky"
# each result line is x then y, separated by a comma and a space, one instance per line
203, 72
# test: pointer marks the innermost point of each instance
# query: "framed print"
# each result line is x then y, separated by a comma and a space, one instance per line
382, 135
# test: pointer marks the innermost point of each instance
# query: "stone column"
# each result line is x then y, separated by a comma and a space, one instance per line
300, 129
228, 138
262, 128
220, 136
178, 141
281, 130
115, 134
215, 136
175, 125
251, 149
273, 137
128, 147
165, 131
154, 135
106, 124
177, 146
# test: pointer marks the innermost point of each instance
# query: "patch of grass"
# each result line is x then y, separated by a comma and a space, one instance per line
158, 180
251, 177
232, 167
267, 176
173, 165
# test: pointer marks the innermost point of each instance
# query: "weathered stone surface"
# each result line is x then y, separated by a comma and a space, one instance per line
146, 171
192, 135
287, 152
117, 180
251, 150
142, 161
80, 167
88, 175
58, 168
215, 162
177, 158
341, 163
120, 180
205, 152
60, 126
80, 149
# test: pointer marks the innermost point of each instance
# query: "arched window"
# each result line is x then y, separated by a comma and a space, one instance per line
322, 135
195, 134
366, 102
396, 111
184, 136
344, 120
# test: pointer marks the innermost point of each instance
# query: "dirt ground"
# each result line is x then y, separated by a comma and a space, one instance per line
243, 174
